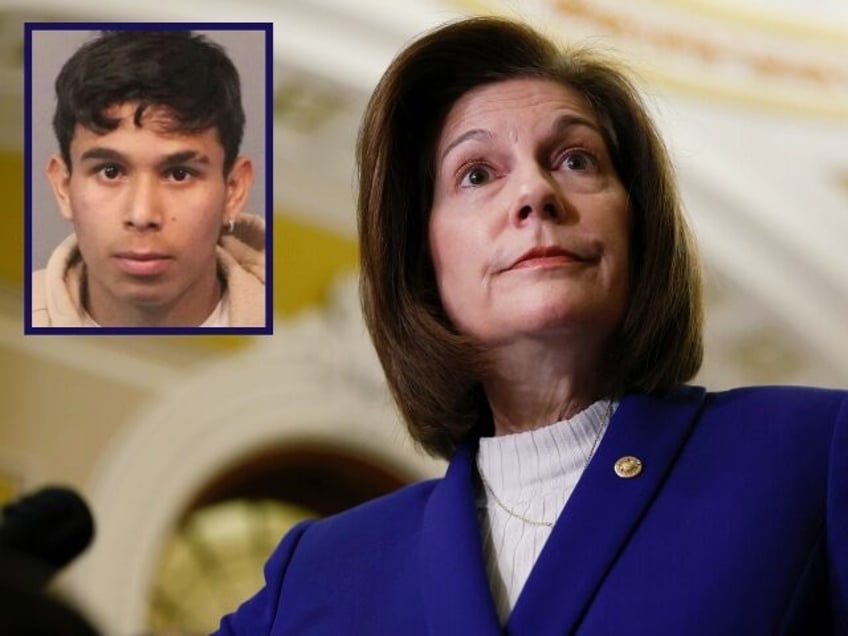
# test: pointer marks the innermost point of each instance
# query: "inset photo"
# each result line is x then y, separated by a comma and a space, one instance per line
148, 190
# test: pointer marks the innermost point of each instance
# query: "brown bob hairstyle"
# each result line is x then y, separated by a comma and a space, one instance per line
432, 370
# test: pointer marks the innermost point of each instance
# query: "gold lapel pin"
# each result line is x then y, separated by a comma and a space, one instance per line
628, 467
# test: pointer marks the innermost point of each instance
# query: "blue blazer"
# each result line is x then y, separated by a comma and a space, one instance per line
738, 524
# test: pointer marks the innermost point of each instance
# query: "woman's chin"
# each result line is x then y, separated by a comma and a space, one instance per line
549, 322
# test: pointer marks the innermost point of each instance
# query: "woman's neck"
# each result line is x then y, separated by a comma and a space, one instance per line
534, 383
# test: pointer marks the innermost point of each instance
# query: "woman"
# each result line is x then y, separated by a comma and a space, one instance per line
534, 296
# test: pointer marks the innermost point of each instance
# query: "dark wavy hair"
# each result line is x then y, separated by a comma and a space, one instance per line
432, 371
185, 72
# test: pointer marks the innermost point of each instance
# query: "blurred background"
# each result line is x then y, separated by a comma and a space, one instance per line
196, 453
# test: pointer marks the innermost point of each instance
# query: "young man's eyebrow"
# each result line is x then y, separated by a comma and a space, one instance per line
102, 154
184, 156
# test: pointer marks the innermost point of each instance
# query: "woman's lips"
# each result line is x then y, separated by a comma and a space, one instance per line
544, 257
142, 264
545, 261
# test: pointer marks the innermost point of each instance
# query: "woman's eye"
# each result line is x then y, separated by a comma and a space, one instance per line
578, 161
476, 176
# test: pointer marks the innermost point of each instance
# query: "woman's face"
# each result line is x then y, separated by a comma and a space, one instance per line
530, 226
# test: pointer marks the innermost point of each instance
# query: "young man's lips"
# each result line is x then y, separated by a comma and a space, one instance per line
142, 263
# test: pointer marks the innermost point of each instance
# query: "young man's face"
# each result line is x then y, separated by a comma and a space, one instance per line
148, 207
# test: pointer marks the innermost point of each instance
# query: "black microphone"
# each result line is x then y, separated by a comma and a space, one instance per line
53, 526
39, 534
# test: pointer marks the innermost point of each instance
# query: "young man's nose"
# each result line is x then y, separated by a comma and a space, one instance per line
143, 209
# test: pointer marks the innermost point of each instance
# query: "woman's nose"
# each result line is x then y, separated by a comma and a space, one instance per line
538, 196
144, 207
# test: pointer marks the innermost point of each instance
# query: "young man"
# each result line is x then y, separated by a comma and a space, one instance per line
149, 125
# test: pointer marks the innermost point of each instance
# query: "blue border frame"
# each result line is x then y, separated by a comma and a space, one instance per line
267, 27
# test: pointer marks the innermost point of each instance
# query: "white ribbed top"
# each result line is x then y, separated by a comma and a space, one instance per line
533, 473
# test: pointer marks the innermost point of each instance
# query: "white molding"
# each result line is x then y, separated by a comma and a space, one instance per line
314, 381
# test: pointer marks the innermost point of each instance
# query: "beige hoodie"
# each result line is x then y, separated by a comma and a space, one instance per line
57, 289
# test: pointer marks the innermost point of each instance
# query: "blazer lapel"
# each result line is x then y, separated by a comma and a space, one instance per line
603, 511
454, 582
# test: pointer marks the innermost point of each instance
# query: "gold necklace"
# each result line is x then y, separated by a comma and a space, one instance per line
537, 522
